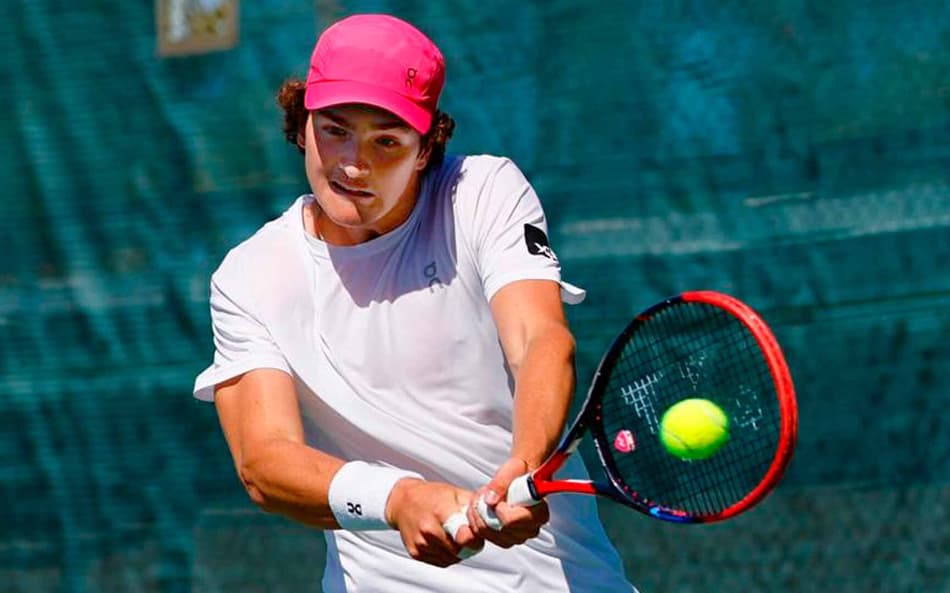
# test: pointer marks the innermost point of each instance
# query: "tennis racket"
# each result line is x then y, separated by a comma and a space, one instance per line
700, 344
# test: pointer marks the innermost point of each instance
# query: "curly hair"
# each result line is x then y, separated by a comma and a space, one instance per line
290, 98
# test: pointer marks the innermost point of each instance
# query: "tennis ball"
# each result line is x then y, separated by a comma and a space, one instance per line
694, 428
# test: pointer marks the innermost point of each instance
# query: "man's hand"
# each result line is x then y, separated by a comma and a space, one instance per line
519, 524
418, 509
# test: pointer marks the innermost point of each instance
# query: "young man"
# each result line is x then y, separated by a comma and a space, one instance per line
394, 346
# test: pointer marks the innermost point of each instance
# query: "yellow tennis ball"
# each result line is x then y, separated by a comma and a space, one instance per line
694, 428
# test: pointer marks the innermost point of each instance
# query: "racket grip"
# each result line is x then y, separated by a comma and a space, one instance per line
452, 524
519, 493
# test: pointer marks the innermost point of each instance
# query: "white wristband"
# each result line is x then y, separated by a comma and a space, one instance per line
358, 494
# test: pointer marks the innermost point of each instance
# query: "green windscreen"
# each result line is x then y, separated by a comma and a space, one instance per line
793, 154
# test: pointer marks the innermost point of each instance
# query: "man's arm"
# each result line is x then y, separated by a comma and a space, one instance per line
261, 422
539, 349
262, 425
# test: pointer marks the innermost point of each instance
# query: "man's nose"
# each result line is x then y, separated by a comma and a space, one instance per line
353, 171
354, 165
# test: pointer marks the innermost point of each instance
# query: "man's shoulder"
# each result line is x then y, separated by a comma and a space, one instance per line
466, 177
265, 253
458, 168
479, 166
477, 182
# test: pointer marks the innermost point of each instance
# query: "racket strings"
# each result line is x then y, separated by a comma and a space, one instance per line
690, 350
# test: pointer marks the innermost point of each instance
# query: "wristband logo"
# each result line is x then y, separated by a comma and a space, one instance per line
354, 508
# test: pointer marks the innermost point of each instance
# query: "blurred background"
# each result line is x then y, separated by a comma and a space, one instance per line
795, 154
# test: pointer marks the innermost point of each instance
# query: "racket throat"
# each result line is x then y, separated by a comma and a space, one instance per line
543, 489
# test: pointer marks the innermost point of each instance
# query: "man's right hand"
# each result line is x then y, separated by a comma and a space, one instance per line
418, 509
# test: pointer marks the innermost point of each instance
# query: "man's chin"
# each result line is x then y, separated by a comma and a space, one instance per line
350, 218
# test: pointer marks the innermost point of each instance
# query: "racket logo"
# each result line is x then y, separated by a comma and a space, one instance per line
537, 242
354, 508
624, 441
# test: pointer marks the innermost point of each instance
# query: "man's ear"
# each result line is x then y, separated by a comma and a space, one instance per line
425, 152
302, 131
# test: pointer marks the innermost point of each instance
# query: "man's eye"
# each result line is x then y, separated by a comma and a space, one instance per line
387, 142
334, 130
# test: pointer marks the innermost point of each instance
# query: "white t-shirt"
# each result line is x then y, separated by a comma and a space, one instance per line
397, 361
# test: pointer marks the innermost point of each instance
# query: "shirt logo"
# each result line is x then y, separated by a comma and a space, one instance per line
354, 508
537, 242
432, 276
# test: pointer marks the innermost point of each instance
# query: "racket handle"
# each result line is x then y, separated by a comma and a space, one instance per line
519, 493
452, 524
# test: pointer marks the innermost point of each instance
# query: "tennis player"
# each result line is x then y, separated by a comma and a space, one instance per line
394, 345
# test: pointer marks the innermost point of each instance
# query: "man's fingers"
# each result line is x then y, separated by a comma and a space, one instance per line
471, 543
494, 491
487, 513
433, 553
518, 523
497, 488
457, 526
455, 522
441, 550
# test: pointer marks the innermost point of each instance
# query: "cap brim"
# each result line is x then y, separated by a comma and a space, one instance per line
328, 93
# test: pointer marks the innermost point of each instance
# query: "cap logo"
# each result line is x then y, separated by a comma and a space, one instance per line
410, 77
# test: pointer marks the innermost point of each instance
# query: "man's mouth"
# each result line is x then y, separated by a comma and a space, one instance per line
347, 191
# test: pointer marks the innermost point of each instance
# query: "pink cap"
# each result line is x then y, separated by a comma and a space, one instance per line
377, 60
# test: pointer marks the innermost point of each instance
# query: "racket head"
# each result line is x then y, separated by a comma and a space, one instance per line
698, 344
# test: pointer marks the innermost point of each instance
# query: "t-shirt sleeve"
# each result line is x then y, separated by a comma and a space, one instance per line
241, 342
510, 233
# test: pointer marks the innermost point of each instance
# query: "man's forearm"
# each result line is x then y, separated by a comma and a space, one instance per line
544, 386
291, 479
